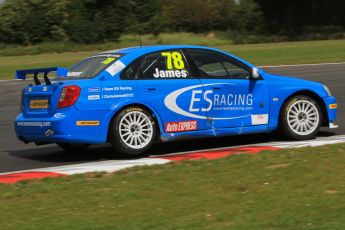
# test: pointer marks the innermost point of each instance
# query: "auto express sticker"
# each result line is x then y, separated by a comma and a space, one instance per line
212, 102
182, 126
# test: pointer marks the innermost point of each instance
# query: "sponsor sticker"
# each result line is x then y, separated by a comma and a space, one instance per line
33, 124
74, 74
118, 96
288, 107
94, 90
59, 115
87, 123
109, 54
170, 73
117, 88
333, 106
115, 68
182, 126
93, 97
260, 119
133, 109
108, 60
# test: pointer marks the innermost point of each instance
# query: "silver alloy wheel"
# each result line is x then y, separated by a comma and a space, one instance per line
136, 129
303, 117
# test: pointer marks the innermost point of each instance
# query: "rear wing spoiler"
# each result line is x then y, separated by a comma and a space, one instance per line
22, 74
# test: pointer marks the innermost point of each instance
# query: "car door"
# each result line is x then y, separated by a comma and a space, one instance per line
232, 97
166, 84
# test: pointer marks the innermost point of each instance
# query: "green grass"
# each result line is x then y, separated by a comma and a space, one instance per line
64, 55
287, 189
291, 52
124, 41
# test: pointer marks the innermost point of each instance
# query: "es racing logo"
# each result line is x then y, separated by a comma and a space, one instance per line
201, 101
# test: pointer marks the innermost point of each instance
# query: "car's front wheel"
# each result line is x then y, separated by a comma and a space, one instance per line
301, 118
133, 131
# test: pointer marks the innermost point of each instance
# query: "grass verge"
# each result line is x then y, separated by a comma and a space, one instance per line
259, 54
287, 189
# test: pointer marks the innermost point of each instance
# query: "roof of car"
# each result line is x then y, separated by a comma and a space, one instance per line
148, 49
137, 51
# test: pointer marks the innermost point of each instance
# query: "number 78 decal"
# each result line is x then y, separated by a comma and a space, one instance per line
174, 59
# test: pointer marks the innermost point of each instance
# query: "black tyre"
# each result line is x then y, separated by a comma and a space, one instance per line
132, 131
71, 147
301, 118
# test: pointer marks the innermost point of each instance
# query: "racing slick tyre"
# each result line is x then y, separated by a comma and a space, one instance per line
301, 118
133, 131
70, 147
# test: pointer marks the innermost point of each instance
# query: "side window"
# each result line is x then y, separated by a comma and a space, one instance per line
130, 71
213, 65
235, 71
164, 65
208, 64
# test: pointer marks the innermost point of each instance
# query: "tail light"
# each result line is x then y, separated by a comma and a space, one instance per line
69, 95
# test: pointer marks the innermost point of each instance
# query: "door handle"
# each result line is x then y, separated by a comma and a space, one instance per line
151, 89
216, 87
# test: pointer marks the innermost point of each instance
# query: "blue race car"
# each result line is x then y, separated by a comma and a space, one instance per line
136, 96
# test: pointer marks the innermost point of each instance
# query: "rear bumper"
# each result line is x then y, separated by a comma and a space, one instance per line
60, 129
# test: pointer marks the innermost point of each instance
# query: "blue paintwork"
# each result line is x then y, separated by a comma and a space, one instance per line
268, 96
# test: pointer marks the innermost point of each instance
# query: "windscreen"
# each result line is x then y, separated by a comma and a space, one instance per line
91, 67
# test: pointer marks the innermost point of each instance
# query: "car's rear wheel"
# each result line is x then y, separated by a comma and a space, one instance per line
301, 118
133, 131
72, 147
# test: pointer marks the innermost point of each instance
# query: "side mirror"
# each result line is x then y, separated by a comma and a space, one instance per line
255, 73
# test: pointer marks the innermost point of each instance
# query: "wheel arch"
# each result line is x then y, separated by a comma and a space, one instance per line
143, 106
313, 95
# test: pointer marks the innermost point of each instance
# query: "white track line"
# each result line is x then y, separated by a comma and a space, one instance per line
99, 166
319, 141
116, 165
11, 80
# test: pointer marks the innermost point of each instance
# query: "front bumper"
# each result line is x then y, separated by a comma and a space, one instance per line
333, 126
331, 110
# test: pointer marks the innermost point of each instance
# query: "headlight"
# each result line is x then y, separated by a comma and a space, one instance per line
327, 90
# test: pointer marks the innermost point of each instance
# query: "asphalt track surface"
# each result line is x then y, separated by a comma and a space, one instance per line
16, 156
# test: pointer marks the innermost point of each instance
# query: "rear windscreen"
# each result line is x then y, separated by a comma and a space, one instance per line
91, 67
